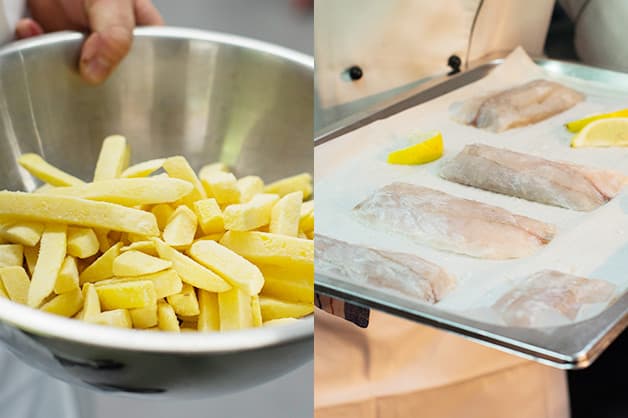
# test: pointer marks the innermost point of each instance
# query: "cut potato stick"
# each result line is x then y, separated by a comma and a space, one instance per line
47, 173
162, 213
250, 215
301, 182
3, 291
276, 309
102, 268
113, 158
179, 168
181, 228
286, 215
82, 242
212, 168
120, 318
266, 248
91, 303
147, 247
221, 186
11, 255
167, 318
71, 210
68, 278
128, 192
306, 222
166, 282
250, 186
256, 311
232, 267
25, 233
143, 169
190, 271
144, 318
15, 283
209, 316
288, 290
67, 304
127, 295
51, 257
235, 310
30, 255
185, 303
209, 216
135, 263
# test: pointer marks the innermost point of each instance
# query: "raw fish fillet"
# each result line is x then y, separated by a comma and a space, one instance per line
405, 274
550, 298
533, 178
451, 223
518, 106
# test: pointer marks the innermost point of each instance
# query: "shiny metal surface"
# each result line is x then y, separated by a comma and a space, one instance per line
567, 347
203, 95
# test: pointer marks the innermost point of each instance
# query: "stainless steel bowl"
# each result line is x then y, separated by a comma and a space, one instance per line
203, 95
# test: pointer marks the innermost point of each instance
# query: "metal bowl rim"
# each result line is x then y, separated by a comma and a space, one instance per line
47, 325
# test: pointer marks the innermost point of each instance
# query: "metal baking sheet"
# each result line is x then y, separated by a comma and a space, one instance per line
571, 346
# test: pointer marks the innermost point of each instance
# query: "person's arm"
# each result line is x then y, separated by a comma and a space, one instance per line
110, 25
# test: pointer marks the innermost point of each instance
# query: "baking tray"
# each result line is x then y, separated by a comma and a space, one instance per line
571, 346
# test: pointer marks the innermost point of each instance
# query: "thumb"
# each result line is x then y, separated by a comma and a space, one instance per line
111, 23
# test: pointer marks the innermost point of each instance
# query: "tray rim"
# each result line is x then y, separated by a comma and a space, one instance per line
563, 352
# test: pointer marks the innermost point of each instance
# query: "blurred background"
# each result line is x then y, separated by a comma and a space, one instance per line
285, 23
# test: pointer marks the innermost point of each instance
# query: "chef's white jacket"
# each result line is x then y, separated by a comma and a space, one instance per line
395, 368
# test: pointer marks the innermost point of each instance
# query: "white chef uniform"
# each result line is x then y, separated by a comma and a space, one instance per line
395, 368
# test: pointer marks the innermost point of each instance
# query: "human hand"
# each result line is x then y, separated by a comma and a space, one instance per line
110, 25
345, 310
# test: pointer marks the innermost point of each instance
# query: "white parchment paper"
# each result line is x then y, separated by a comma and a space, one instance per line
591, 244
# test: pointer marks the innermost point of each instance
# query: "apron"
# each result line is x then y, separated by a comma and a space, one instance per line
396, 368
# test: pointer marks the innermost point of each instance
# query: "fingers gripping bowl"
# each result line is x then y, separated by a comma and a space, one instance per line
202, 95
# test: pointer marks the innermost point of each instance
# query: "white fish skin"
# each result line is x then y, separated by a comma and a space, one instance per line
451, 223
518, 106
533, 178
549, 298
405, 274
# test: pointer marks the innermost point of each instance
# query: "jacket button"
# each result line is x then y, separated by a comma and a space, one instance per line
454, 62
355, 72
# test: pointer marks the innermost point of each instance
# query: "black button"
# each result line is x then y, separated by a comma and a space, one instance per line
355, 73
454, 62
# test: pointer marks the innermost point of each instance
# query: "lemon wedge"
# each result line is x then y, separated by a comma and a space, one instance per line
428, 148
576, 126
611, 132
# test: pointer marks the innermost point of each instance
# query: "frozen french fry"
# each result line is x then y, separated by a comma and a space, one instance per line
212, 237
190, 271
51, 257
102, 268
3, 291
128, 192
209, 216
266, 248
82, 242
185, 303
179, 168
120, 318
250, 215
209, 316
256, 311
135, 263
104, 243
30, 255
167, 318
75, 211
143, 169
15, 282
91, 303
25, 233
235, 310
166, 282
127, 294
11, 255
300, 182
113, 158
66, 304
212, 168
181, 228
45, 172
250, 186
147, 247
143, 318
286, 215
293, 272
162, 213
221, 186
68, 277
297, 291
232, 267
275, 309
306, 222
